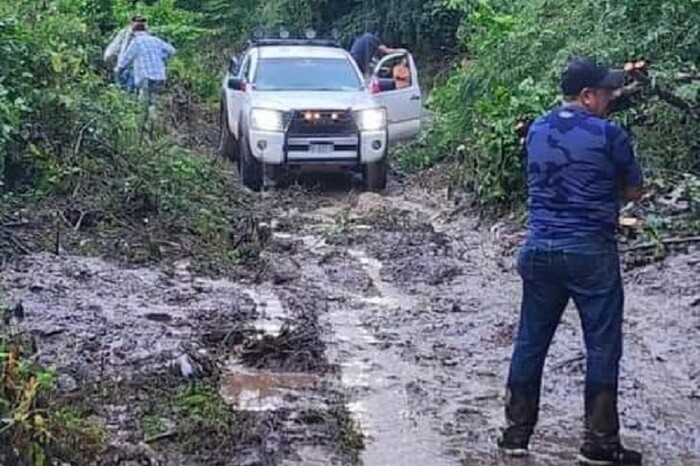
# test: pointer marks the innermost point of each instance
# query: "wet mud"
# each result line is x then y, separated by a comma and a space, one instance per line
376, 330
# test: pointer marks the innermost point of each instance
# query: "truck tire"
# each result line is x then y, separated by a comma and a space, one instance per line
227, 142
375, 175
249, 168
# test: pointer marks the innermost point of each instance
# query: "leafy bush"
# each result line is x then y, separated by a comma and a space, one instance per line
72, 143
517, 50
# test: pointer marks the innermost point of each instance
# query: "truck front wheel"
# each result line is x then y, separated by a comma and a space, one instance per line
375, 175
227, 143
249, 168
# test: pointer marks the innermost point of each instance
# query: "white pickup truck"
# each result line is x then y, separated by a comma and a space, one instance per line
303, 104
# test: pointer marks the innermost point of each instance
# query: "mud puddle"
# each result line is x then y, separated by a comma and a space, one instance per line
194, 366
376, 379
256, 390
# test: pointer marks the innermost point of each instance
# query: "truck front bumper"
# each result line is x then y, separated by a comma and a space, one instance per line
274, 148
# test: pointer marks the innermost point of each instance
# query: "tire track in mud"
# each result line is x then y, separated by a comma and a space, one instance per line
386, 389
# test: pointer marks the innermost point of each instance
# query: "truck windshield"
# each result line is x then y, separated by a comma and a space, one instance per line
306, 74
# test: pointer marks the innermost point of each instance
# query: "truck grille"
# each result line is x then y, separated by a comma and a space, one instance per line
321, 123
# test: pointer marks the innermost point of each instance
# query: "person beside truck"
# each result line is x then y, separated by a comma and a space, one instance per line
365, 47
401, 73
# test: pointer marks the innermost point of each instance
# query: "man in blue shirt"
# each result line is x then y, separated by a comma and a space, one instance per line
580, 167
365, 47
148, 54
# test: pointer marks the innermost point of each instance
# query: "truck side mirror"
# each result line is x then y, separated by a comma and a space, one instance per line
233, 66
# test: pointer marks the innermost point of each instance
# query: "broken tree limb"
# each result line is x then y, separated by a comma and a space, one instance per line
17, 243
665, 242
161, 436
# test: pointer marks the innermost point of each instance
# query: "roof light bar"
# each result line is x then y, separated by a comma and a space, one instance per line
309, 36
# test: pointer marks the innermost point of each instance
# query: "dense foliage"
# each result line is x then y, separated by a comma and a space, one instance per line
515, 52
72, 143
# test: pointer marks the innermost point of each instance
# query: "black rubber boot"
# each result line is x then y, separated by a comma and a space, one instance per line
601, 444
598, 455
521, 417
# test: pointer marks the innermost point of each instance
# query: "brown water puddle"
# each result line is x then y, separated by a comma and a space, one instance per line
256, 390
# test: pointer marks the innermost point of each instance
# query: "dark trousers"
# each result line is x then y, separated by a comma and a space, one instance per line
554, 272
148, 91
125, 80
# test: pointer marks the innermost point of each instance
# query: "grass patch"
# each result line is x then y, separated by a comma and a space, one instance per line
349, 437
193, 419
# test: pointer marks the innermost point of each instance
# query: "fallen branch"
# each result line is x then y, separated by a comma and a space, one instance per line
570, 361
162, 436
79, 223
665, 242
18, 244
81, 135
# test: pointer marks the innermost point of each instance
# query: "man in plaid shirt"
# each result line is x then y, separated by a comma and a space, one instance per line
148, 54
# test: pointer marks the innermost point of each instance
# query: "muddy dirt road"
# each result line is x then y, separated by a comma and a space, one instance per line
385, 315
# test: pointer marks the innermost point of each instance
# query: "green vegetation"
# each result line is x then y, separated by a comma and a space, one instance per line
515, 51
31, 426
72, 145
190, 413
349, 433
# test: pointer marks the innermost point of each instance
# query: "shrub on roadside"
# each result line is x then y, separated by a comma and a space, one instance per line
516, 52
72, 144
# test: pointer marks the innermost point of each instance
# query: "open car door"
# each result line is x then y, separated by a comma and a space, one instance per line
395, 85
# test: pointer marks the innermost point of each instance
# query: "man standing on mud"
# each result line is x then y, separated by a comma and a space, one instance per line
580, 167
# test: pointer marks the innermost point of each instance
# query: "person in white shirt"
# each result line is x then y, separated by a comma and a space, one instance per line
117, 48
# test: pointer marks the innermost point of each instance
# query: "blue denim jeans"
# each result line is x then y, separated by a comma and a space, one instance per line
125, 80
553, 272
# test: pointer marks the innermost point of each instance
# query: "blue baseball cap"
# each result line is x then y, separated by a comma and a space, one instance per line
584, 72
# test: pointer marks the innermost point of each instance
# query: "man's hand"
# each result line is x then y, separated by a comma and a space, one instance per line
633, 193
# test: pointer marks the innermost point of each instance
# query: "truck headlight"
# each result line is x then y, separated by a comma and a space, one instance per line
262, 119
373, 119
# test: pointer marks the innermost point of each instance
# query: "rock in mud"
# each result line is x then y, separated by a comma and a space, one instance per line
371, 203
186, 367
284, 271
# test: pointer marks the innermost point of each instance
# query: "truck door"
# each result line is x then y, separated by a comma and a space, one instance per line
235, 98
395, 85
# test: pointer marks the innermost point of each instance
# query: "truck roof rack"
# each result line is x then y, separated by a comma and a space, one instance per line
298, 42
259, 38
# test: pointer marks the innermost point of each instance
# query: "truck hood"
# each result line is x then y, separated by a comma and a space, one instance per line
325, 100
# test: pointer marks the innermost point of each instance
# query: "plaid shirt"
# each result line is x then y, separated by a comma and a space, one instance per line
148, 55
